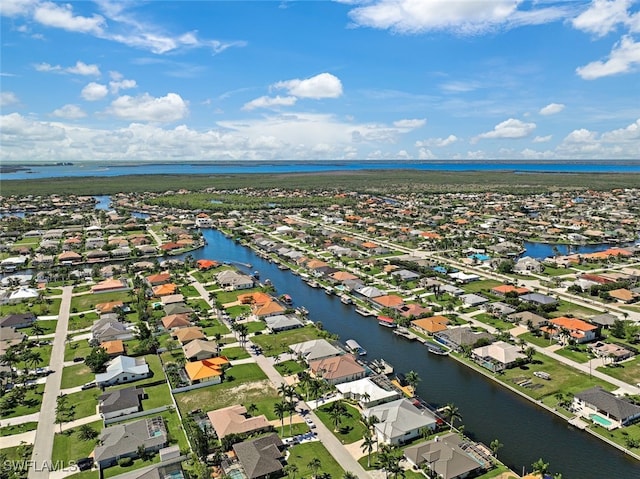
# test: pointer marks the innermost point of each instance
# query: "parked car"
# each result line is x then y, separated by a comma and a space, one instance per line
310, 422
84, 463
88, 385
78, 360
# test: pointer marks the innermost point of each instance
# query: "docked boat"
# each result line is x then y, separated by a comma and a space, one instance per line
380, 366
364, 312
405, 333
313, 284
283, 267
256, 274
345, 299
435, 349
328, 290
302, 310
355, 348
387, 322
286, 299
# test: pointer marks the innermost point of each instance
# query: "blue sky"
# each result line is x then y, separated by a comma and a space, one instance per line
351, 79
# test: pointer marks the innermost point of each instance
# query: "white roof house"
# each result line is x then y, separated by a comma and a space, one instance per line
400, 421
123, 369
498, 355
315, 349
366, 392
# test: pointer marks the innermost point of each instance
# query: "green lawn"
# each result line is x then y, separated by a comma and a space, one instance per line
45, 354
225, 297
537, 340
579, 356
302, 454
189, 291
30, 404
81, 288
255, 326
351, 428
565, 307
39, 309
84, 402
82, 321
67, 446
274, 344
76, 349
48, 325
18, 428
497, 323
482, 286
627, 371
214, 326
549, 271
240, 309
87, 302
249, 385
235, 352
18, 453
157, 396
198, 304
620, 436
289, 367
76, 375
85, 475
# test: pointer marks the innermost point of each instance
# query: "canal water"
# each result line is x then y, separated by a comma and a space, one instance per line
488, 410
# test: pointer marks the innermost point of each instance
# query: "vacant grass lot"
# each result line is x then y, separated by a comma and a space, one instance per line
84, 402
137, 464
45, 354
82, 322
86, 302
249, 385
289, 367
627, 371
274, 344
39, 309
350, 429
483, 286
579, 356
76, 375
235, 352
30, 404
302, 454
497, 323
68, 446
238, 310
76, 349
565, 307
213, 326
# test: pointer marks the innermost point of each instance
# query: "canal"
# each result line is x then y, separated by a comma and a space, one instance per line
488, 410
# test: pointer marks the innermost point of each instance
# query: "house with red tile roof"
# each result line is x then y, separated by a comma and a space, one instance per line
157, 279
431, 325
505, 289
337, 369
623, 295
164, 289
578, 329
109, 285
388, 301
205, 264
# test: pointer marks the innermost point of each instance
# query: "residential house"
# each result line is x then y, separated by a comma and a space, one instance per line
185, 335
171, 299
235, 420
413, 310
623, 295
314, 349
113, 348
473, 300
458, 337
527, 317
261, 458
199, 349
271, 308
431, 325
123, 369
528, 265
388, 301
337, 369
498, 356
110, 307
400, 421
176, 321
110, 285
506, 289
499, 309
233, 280
18, 320
282, 322
209, 370
165, 289
176, 308
123, 440
580, 331
445, 456
596, 401
108, 329
610, 351
539, 299
120, 402
366, 392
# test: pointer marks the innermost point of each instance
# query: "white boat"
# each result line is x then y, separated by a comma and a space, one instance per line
328, 290
345, 299
313, 284
355, 348
364, 312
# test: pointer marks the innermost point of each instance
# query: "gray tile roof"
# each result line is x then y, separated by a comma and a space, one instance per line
444, 455
122, 439
261, 456
120, 399
605, 401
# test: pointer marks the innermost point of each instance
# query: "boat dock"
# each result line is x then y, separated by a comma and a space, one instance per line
405, 333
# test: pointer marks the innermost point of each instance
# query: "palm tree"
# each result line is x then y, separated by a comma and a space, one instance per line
280, 409
35, 358
87, 433
349, 475
10, 358
413, 379
291, 470
304, 378
337, 411
540, 467
451, 413
291, 409
530, 352
37, 330
495, 446
368, 443
314, 465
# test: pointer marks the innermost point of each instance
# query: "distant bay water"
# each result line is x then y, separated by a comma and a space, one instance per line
80, 169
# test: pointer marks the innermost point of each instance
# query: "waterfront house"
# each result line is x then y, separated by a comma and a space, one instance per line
528, 265
337, 369
271, 308
388, 301
232, 280
123, 369
124, 440
447, 456
314, 349
158, 279
120, 402
69, 257
261, 458
400, 421
366, 392
498, 356
456, 338
431, 325
282, 322
235, 420
594, 403
208, 370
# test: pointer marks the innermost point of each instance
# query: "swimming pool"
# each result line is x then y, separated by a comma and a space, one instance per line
604, 422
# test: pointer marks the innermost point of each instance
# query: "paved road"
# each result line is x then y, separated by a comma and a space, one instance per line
43, 445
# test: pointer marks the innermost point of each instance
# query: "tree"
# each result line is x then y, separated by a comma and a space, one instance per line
280, 409
37, 330
530, 352
87, 433
368, 443
349, 475
337, 411
64, 410
495, 446
451, 413
618, 329
413, 379
291, 470
97, 359
540, 467
314, 466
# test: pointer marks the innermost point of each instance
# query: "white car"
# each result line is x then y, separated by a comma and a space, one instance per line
309, 422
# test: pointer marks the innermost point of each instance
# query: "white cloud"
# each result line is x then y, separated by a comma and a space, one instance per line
439, 142
324, 85
269, 102
425, 154
460, 86
8, 98
124, 84
511, 129
70, 112
147, 108
80, 68
630, 133
12, 8
624, 57
94, 91
552, 109
410, 124
61, 16
602, 16
542, 139
460, 16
